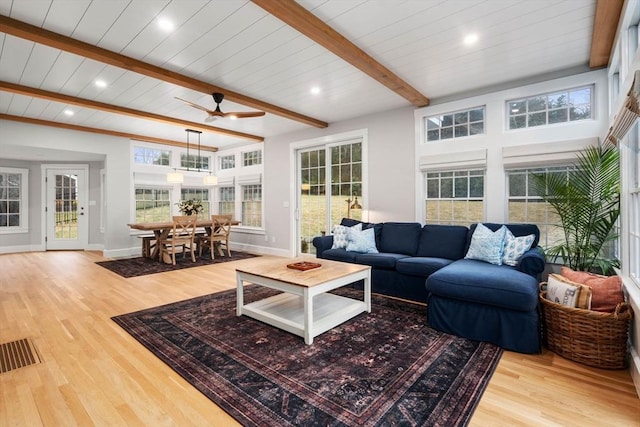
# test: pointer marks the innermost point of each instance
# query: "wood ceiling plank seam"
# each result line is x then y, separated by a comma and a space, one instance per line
39, 65
122, 110
304, 21
101, 131
97, 20
39, 35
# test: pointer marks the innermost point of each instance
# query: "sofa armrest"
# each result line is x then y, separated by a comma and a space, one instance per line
532, 262
322, 243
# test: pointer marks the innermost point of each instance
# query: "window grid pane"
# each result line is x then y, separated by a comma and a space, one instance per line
10, 200
252, 205
227, 162
152, 204
455, 125
201, 194
226, 205
151, 156
551, 108
251, 158
454, 197
194, 161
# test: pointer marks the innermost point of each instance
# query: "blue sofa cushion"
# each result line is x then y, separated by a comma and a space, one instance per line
380, 260
442, 241
339, 255
420, 266
483, 283
517, 230
400, 238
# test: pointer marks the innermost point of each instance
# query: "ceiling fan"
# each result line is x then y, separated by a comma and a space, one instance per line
217, 113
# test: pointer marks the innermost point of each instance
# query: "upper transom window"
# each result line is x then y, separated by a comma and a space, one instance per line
550, 108
455, 125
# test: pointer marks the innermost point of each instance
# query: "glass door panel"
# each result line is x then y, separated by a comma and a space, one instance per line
66, 215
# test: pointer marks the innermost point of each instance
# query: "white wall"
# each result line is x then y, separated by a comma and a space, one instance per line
117, 170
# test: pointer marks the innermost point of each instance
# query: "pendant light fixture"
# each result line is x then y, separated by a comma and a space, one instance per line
176, 177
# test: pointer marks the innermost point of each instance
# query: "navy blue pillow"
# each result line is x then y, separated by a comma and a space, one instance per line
517, 230
443, 241
400, 238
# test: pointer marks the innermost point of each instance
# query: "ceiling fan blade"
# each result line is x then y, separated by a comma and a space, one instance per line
199, 107
244, 115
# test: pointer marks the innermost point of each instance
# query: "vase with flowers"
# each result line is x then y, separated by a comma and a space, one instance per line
190, 206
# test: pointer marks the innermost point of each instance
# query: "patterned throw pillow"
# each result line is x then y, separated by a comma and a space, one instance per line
486, 245
515, 247
363, 241
557, 285
340, 238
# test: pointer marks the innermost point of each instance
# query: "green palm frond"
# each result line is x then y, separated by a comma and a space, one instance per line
587, 201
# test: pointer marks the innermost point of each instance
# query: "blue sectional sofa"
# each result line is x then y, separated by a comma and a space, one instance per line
465, 297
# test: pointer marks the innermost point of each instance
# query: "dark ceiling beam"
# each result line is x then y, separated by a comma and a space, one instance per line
49, 38
296, 16
87, 103
605, 25
137, 137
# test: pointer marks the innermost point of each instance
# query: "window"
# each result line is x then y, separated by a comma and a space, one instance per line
455, 125
227, 201
346, 178
633, 207
227, 162
251, 158
193, 161
201, 194
152, 204
252, 205
550, 108
455, 197
14, 200
525, 205
151, 156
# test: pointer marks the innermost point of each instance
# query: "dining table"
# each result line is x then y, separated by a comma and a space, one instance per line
161, 230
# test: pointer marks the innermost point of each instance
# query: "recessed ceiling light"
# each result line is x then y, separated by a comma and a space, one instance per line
101, 83
68, 112
165, 24
470, 39
315, 90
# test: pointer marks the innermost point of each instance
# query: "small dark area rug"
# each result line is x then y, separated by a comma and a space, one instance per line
141, 266
386, 367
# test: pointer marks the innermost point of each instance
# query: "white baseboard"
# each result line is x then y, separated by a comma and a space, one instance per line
261, 250
122, 253
21, 248
633, 298
94, 247
634, 369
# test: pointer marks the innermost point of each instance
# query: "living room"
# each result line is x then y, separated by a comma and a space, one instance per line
396, 157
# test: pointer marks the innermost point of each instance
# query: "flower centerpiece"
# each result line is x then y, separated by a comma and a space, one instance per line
190, 206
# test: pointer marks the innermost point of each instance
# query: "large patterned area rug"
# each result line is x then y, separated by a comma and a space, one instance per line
386, 367
140, 266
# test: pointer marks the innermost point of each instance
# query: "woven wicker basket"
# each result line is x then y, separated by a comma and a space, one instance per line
591, 337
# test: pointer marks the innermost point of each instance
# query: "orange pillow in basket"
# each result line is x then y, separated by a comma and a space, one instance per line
606, 290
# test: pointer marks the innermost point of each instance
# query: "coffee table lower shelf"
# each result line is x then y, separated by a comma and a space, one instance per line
287, 312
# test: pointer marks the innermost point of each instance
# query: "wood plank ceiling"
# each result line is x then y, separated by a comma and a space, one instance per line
364, 56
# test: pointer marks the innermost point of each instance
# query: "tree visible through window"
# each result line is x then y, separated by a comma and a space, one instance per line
11, 199
550, 108
152, 204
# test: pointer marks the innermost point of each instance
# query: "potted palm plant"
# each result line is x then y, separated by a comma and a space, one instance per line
588, 204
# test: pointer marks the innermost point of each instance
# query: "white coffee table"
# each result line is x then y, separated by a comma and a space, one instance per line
305, 307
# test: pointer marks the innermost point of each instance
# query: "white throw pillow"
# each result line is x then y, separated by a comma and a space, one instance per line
515, 247
363, 241
340, 238
486, 245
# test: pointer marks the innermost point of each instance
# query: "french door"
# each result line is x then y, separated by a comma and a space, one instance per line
329, 187
66, 209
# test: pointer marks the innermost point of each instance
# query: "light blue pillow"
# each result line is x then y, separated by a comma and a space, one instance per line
340, 238
363, 241
486, 245
515, 247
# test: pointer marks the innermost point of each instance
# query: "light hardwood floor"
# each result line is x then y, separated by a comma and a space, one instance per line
94, 373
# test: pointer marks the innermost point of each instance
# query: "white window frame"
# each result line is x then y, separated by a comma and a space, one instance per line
206, 202
224, 161
147, 152
251, 158
510, 110
630, 206
152, 187
224, 201
438, 119
243, 187
439, 176
24, 201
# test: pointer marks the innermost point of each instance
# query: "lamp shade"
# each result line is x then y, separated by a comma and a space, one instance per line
175, 177
210, 180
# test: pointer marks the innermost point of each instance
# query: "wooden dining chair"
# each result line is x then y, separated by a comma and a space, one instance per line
219, 237
182, 238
